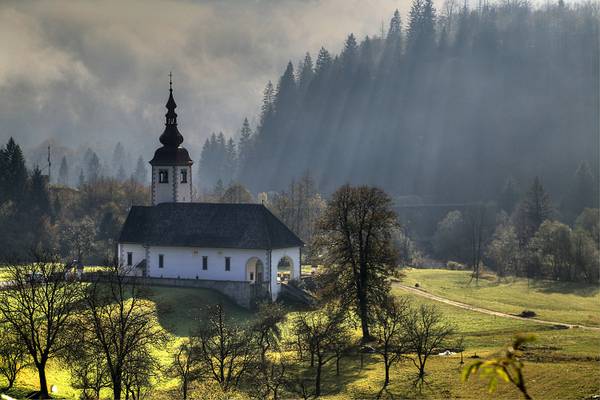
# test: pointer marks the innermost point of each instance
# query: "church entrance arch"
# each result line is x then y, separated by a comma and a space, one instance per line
285, 268
255, 270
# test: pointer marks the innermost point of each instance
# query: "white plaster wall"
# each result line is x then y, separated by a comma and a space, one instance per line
183, 191
294, 254
174, 190
163, 192
138, 253
186, 263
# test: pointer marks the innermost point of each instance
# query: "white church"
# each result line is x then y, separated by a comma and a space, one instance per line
237, 249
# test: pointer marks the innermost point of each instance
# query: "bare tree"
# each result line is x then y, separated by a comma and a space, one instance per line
266, 329
389, 329
273, 375
13, 355
38, 307
426, 333
324, 330
121, 323
225, 350
267, 335
477, 224
140, 368
88, 371
184, 366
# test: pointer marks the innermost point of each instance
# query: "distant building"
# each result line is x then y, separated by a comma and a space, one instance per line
233, 248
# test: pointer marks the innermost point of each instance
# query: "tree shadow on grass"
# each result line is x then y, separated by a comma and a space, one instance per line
179, 310
576, 288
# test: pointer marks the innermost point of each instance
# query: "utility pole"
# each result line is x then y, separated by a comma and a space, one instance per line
49, 166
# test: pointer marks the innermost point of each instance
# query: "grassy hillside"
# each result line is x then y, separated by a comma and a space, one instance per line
560, 364
575, 303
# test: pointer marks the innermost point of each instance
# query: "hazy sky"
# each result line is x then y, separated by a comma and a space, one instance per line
92, 73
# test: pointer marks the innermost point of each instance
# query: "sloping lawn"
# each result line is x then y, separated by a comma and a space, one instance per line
562, 363
568, 302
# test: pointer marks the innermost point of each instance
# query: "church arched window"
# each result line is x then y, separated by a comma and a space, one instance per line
163, 176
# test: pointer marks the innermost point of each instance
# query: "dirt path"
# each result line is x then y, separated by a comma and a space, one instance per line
469, 307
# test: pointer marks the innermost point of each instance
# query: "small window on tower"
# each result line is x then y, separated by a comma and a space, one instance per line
183, 176
163, 176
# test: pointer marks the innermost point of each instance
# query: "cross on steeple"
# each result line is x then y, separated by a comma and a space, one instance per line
171, 136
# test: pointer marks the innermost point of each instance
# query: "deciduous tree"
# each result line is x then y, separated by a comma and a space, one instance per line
39, 307
355, 241
427, 332
122, 327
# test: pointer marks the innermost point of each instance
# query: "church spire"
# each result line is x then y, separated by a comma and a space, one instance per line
171, 136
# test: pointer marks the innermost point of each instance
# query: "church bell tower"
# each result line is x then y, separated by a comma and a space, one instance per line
171, 165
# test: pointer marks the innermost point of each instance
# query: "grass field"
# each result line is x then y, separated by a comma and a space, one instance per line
561, 364
575, 303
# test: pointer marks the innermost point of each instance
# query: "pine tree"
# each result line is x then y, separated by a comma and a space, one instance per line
509, 195
81, 179
267, 104
118, 158
231, 159
204, 165
286, 89
220, 164
245, 139
13, 179
63, 172
323, 61
306, 72
584, 189
140, 174
395, 27
421, 28
535, 208
39, 198
218, 190
350, 51
121, 176
93, 168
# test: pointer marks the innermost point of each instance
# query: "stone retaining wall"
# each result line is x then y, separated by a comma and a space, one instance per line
242, 293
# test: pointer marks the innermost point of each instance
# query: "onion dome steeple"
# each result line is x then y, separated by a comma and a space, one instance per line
171, 153
171, 136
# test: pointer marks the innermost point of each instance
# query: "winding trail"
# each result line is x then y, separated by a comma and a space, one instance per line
469, 307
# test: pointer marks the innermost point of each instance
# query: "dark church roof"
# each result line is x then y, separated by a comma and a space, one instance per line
240, 226
171, 152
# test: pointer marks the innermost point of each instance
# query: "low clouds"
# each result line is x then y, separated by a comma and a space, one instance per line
89, 73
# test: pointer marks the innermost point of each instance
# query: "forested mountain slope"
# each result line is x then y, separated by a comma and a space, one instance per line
447, 104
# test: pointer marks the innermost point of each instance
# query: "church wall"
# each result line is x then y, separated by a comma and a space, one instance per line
174, 190
138, 253
183, 191
163, 192
293, 253
186, 263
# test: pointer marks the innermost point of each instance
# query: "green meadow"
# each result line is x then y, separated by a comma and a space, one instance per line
563, 362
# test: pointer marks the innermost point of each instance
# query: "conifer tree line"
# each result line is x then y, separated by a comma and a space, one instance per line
77, 224
447, 104
72, 168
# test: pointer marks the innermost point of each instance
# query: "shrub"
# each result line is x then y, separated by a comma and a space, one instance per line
455, 266
527, 314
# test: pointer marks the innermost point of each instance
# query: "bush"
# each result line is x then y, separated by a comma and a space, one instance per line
455, 266
527, 314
